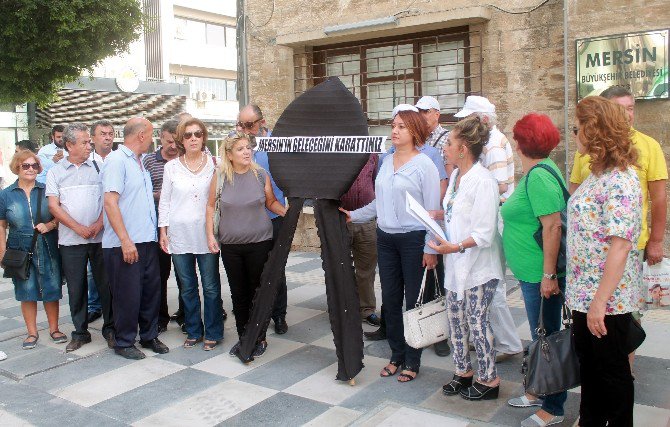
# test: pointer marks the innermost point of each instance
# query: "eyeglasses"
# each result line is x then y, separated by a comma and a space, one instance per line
26, 166
247, 125
197, 134
575, 130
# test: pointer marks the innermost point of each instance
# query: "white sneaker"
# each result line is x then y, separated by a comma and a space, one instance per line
535, 421
3, 356
524, 402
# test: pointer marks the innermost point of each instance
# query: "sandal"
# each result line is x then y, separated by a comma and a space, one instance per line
58, 339
29, 345
405, 378
454, 386
191, 342
210, 345
386, 372
479, 391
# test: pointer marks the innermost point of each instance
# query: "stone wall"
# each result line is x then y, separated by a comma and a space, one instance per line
522, 55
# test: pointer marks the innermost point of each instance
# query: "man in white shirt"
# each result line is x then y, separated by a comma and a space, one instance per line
497, 157
74, 190
51, 153
102, 139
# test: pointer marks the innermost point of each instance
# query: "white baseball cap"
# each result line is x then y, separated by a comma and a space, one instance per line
403, 107
476, 104
428, 102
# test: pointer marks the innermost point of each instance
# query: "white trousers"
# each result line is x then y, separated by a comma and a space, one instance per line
506, 339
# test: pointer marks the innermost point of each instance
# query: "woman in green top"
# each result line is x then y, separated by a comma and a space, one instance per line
537, 201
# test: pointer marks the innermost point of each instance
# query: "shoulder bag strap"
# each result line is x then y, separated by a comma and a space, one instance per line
566, 193
97, 168
419, 301
440, 137
39, 220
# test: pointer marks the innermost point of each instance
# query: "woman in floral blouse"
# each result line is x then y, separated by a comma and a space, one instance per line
604, 218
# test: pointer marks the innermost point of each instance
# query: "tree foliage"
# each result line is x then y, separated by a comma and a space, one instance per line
46, 43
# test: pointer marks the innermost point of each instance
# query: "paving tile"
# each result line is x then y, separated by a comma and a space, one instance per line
195, 355
231, 367
157, 395
282, 373
393, 416
334, 417
304, 293
7, 419
652, 376
296, 315
99, 388
211, 406
283, 409
649, 416
319, 302
10, 324
651, 346
304, 267
21, 363
323, 386
309, 330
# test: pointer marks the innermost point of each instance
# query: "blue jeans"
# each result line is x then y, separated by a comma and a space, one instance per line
553, 403
399, 257
94, 305
208, 264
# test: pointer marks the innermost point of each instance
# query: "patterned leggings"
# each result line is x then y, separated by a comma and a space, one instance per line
468, 315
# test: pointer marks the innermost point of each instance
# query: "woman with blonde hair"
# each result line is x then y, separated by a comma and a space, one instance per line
181, 218
604, 219
242, 230
19, 212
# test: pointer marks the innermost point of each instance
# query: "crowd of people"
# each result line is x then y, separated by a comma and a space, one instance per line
111, 222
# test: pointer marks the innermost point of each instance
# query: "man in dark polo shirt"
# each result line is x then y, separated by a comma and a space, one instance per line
155, 164
364, 239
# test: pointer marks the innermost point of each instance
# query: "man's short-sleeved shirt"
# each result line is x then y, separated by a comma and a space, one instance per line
498, 158
46, 155
79, 191
651, 167
123, 174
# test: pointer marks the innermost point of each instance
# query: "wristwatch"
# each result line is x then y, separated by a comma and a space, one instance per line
550, 276
461, 249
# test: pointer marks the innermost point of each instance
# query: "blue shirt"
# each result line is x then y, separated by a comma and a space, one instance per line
261, 157
420, 179
46, 154
430, 151
122, 174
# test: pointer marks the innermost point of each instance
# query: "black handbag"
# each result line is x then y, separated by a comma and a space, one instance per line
550, 365
16, 263
636, 335
561, 261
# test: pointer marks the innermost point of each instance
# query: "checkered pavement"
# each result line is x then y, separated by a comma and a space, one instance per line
292, 384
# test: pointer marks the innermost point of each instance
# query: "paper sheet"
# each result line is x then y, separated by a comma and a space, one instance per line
415, 209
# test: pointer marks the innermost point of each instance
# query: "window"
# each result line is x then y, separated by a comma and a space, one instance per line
204, 32
383, 73
209, 89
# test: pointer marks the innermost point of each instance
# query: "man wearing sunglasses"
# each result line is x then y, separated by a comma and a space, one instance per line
250, 121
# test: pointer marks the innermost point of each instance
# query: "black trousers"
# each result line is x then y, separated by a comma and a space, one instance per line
137, 293
165, 263
607, 383
244, 265
74, 260
279, 310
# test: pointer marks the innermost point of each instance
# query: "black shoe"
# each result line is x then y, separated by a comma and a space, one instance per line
130, 353
260, 349
442, 348
378, 335
281, 327
373, 320
161, 329
93, 316
183, 329
155, 345
177, 315
479, 391
456, 384
225, 315
111, 341
75, 344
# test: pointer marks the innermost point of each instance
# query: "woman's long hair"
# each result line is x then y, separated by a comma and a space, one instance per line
605, 134
226, 166
416, 125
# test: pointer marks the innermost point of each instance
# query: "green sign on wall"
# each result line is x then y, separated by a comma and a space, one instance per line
638, 62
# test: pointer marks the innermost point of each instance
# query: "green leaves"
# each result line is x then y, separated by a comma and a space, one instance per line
46, 43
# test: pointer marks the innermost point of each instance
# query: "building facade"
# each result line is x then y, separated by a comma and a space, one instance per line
388, 52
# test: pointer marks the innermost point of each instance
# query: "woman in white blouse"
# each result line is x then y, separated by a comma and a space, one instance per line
472, 262
181, 218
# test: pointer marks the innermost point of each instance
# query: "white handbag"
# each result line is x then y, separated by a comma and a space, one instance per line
426, 324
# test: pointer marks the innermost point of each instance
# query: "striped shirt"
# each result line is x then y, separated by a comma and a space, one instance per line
498, 157
155, 164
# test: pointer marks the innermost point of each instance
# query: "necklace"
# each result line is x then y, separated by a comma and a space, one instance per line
202, 157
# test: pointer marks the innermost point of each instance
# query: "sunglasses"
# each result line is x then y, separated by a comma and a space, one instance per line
248, 125
575, 130
26, 166
197, 134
